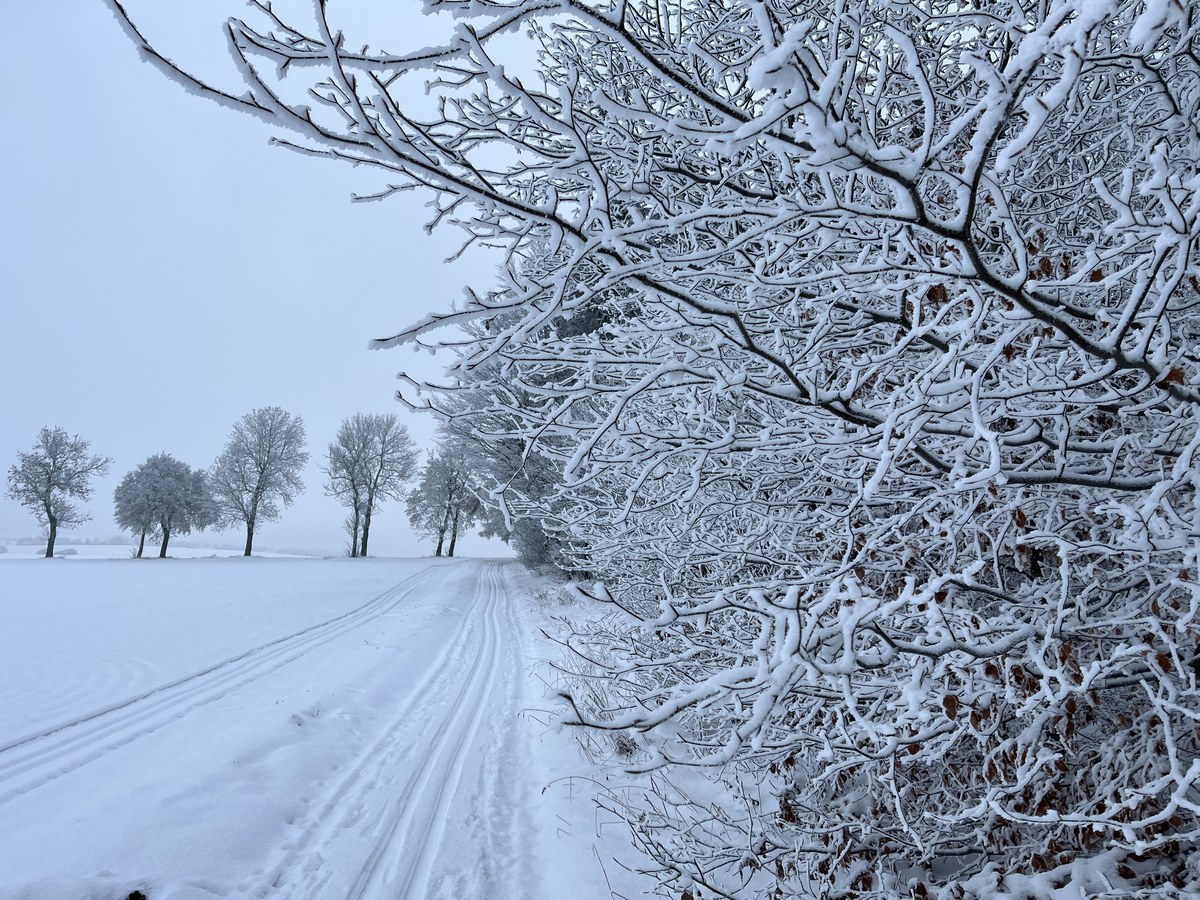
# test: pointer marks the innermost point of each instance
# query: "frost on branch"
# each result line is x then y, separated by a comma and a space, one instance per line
864, 335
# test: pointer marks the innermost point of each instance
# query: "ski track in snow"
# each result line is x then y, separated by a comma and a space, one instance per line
394, 751
416, 784
34, 760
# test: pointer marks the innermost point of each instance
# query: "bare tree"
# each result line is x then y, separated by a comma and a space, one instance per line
389, 466
864, 336
259, 469
49, 477
371, 459
347, 476
165, 496
443, 502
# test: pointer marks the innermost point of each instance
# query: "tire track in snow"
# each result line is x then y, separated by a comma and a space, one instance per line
35, 760
407, 834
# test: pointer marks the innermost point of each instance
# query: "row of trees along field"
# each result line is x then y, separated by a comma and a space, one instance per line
851, 347
256, 475
373, 459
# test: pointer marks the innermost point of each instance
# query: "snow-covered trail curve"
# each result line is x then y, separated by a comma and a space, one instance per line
397, 797
313, 730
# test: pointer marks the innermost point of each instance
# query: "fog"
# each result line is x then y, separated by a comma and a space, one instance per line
165, 270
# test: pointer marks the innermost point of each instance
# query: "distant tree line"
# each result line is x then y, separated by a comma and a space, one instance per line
257, 474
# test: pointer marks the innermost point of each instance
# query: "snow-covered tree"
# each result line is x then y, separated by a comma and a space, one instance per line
515, 485
864, 336
132, 507
164, 496
524, 513
55, 472
345, 467
389, 466
259, 469
369, 461
443, 502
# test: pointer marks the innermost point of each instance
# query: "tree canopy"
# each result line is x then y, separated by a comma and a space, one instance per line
259, 469
164, 496
370, 460
55, 473
444, 502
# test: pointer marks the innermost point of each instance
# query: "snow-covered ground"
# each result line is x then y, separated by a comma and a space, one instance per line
66, 549
286, 728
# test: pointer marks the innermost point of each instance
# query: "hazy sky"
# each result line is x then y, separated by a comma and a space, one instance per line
164, 271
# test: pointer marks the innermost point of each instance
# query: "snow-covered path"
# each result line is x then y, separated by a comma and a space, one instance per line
396, 797
368, 742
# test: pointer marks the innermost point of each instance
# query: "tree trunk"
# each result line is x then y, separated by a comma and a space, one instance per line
445, 519
453, 532
53, 522
366, 531
162, 551
354, 533
141, 544
251, 518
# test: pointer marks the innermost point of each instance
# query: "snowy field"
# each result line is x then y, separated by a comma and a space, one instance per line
67, 550
290, 728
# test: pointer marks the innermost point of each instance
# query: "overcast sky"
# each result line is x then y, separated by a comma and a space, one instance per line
164, 271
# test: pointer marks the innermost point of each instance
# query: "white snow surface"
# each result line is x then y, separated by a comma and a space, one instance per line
287, 728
